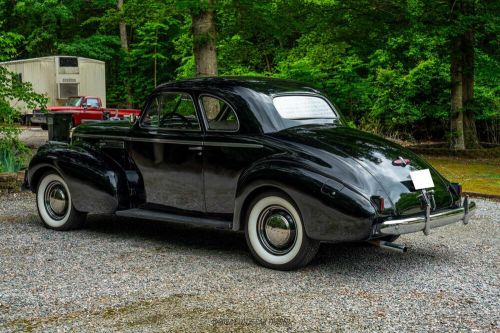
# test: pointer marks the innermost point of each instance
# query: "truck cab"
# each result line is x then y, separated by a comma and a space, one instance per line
83, 108
83, 102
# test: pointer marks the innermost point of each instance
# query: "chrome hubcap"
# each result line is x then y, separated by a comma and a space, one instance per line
56, 200
276, 230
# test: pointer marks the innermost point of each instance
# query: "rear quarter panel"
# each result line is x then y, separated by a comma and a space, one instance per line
343, 216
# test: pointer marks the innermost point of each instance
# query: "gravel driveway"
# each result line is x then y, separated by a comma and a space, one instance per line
34, 136
130, 275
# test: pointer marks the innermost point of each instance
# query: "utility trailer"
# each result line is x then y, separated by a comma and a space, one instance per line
59, 77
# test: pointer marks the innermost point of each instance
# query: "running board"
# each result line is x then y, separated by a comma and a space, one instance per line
174, 218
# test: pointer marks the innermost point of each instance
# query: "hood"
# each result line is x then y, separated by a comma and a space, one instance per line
63, 108
108, 128
375, 155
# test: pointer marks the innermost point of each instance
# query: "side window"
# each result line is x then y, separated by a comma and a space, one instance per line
172, 111
92, 103
219, 114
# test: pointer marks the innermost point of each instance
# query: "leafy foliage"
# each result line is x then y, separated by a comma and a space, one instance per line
19, 94
385, 63
12, 151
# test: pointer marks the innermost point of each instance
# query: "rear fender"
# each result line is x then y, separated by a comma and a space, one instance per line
343, 216
97, 184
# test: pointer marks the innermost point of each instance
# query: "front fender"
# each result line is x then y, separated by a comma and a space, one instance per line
97, 184
329, 214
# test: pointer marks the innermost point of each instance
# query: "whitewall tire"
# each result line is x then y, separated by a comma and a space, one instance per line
275, 233
54, 204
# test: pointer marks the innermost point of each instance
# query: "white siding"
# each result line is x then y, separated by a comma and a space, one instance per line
93, 79
42, 76
41, 73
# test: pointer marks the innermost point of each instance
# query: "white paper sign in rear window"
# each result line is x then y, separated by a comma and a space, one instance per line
303, 107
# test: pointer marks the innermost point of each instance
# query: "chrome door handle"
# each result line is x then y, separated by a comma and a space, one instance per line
197, 148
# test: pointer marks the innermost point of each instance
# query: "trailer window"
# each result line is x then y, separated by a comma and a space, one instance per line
67, 90
68, 62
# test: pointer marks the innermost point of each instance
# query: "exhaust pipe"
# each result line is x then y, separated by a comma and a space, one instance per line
390, 246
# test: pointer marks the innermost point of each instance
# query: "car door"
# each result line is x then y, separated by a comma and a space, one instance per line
166, 145
91, 110
227, 152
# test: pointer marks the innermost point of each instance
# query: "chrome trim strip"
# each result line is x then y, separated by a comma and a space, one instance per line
205, 118
132, 139
98, 136
180, 142
416, 224
232, 144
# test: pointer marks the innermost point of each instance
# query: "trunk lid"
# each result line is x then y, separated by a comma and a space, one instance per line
376, 155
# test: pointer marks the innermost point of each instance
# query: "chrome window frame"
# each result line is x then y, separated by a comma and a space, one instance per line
205, 118
141, 124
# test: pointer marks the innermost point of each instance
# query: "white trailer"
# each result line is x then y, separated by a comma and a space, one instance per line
60, 77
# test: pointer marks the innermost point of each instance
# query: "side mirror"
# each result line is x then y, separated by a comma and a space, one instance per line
85, 106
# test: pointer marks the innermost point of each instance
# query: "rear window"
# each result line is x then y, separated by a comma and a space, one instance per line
303, 107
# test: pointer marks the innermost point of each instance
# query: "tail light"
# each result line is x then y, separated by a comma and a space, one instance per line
379, 203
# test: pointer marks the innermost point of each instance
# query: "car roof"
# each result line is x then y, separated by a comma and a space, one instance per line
265, 85
251, 97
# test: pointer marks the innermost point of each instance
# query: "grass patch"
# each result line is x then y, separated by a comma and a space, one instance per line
475, 175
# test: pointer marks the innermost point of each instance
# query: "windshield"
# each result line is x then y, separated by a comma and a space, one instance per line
73, 101
303, 110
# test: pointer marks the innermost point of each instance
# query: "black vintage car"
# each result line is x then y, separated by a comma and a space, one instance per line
268, 157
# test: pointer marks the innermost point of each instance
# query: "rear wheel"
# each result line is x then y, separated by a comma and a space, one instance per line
275, 233
54, 204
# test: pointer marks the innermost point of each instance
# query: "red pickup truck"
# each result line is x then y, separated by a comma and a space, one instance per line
83, 108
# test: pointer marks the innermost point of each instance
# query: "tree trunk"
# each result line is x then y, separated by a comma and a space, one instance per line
204, 40
456, 66
155, 57
470, 132
123, 29
124, 43
456, 116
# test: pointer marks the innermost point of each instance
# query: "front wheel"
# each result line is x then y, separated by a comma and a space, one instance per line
275, 233
54, 204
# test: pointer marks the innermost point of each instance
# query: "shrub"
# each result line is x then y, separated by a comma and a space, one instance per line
14, 95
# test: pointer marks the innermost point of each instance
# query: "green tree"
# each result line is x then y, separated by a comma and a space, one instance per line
387, 64
13, 92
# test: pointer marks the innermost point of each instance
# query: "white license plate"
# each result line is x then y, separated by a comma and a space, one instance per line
421, 179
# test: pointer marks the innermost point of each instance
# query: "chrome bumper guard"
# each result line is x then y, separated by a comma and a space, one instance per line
429, 221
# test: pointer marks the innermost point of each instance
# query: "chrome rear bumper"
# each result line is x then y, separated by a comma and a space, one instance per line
429, 221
